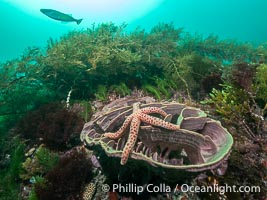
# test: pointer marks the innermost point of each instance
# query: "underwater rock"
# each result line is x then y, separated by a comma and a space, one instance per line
199, 144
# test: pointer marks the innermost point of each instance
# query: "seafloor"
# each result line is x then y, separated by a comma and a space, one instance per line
49, 94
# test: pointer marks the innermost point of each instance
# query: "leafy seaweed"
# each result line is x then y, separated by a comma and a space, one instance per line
231, 103
260, 85
42, 162
9, 178
152, 90
104, 60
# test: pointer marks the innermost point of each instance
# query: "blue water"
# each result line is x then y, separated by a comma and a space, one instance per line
244, 20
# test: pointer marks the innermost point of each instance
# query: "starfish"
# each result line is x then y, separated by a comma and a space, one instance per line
138, 116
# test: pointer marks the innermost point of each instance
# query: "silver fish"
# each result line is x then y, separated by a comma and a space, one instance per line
60, 16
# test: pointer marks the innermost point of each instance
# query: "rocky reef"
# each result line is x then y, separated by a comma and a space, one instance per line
199, 143
48, 94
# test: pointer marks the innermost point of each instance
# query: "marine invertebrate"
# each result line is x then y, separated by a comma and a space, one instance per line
89, 191
200, 144
138, 116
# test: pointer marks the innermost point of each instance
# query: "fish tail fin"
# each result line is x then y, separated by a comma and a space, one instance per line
78, 21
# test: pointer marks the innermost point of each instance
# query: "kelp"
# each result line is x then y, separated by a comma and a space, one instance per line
260, 85
106, 60
106, 54
160, 88
227, 50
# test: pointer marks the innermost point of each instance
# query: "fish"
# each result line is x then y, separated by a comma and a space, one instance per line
54, 14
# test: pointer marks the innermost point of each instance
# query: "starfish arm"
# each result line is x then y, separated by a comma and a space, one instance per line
157, 122
149, 110
120, 132
135, 124
136, 106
